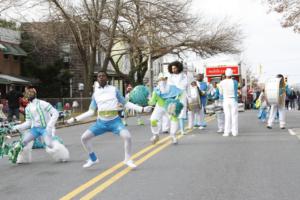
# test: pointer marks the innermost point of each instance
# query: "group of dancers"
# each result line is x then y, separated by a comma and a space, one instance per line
173, 100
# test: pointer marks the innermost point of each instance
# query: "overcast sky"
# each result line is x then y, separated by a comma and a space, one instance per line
266, 42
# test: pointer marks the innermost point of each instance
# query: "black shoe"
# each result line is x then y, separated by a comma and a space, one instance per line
282, 127
165, 132
269, 127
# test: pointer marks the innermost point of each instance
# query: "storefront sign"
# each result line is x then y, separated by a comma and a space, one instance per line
218, 71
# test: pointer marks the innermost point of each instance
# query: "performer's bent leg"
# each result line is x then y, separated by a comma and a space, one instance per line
125, 134
86, 141
173, 129
28, 137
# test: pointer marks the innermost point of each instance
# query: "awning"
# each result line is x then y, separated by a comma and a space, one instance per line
7, 79
12, 49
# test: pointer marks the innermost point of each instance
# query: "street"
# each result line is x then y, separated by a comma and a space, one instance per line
258, 164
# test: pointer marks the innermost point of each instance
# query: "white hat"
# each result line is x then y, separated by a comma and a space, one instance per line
228, 72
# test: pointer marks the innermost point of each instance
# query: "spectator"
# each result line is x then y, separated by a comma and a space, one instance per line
13, 97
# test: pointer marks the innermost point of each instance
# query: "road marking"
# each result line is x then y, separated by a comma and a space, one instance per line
122, 173
116, 177
107, 172
292, 132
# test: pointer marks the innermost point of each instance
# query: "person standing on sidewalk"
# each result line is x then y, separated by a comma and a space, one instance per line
13, 98
280, 106
228, 89
107, 101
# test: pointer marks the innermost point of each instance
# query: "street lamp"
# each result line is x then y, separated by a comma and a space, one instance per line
80, 88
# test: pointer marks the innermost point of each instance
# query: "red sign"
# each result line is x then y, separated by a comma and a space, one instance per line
218, 71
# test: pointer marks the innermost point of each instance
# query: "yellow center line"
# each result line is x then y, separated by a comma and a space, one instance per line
119, 175
117, 166
99, 177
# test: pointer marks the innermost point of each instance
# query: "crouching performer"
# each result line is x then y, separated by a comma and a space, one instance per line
165, 98
40, 118
107, 101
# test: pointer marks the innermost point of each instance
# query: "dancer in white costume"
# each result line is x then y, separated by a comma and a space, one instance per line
179, 79
280, 106
160, 95
107, 101
40, 118
194, 104
228, 88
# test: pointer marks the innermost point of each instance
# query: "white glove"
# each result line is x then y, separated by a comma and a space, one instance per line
71, 120
147, 109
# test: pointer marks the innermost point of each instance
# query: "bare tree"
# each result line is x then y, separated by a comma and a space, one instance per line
131, 30
161, 27
290, 10
7, 4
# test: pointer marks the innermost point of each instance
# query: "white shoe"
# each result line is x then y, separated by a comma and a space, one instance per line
183, 133
220, 131
201, 127
90, 163
226, 134
130, 164
234, 134
174, 140
154, 139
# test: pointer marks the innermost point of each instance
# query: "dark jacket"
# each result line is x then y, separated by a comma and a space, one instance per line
13, 98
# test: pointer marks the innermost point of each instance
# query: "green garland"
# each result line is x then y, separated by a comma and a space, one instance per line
13, 149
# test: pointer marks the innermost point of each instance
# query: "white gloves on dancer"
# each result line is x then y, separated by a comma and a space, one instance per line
147, 109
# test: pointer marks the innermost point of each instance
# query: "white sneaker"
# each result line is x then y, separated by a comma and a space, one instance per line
154, 139
220, 131
226, 134
234, 134
174, 140
130, 164
183, 133
90, 163
201, 127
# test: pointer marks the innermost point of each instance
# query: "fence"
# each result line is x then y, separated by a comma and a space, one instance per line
76, 105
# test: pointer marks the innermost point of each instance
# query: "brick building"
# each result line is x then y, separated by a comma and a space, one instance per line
10, 60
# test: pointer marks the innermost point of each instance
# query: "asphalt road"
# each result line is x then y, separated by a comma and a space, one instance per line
259, 164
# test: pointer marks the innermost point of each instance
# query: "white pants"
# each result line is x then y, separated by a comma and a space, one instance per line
183, 100
273, 112
156, 118
193, 118
220, 120
230, 107
165, 123
202, 117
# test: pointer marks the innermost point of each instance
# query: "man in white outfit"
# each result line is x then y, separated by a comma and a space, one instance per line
179, 79
229, 89
280, 106
107, 101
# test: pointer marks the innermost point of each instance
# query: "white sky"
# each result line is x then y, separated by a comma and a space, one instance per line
266, 42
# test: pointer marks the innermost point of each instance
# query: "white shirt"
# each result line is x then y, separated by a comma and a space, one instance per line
107, 98
228, 88
39, 113
179, 80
